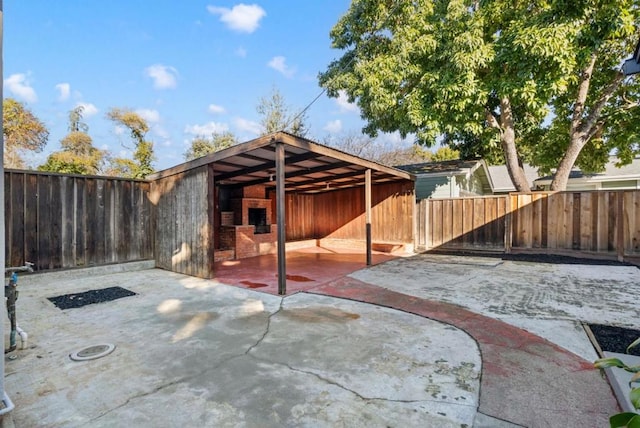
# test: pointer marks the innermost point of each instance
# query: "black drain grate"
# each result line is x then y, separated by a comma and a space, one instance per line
77, 300
615, 339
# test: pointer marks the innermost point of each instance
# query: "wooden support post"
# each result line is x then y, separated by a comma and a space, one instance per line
212, 208
280, 213
367, 203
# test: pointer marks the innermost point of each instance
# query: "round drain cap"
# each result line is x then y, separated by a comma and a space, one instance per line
93, 352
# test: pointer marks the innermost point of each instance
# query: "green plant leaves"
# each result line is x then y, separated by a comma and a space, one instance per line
634, 397
603, 363
633, 345
628, 419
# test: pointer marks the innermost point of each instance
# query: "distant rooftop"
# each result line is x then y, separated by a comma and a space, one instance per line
502, 182
611, 172
444, 167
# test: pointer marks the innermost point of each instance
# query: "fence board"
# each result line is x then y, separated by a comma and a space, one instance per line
603, 224
64, 221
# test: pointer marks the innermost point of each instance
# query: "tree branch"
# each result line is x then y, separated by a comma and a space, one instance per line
491, 119
583, 91
589, 124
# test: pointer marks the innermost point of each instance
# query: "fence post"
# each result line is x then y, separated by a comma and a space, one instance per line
508, 222
620, 225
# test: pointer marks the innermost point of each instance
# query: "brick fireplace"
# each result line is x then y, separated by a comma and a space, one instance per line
246, 228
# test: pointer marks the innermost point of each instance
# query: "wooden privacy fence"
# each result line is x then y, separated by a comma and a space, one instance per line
62, 221
600, 223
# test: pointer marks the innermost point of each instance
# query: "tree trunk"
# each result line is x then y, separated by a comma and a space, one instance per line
508, 141
561, 177
583, 128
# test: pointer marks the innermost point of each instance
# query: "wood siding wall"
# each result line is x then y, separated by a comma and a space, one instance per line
183, 222
340, 214
595, 223
61, 221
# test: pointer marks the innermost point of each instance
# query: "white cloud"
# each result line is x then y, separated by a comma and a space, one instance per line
216, 109
279, 63
241, 17
164, 77
88, 109
247, 126
344, 104
206, 129
395, 139
19, 86
64, 90
333, 126
241, 52
151, 116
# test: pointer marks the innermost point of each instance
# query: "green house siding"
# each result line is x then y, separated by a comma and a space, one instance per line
434, 187
620, 185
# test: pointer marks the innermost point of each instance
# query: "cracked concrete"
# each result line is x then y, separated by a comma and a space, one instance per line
549, 300
192, 352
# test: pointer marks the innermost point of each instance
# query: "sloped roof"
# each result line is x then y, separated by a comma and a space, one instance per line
450, 167
309, 167
611, 173
502, 181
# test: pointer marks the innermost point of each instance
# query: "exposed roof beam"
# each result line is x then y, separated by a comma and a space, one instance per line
265, 166
301, 172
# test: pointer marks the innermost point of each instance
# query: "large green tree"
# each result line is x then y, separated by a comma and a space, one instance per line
78, 155
276, 115
143, 156
540, 80
23, 131
201, 146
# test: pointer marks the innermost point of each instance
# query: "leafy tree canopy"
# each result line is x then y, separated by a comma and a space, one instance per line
276, 116
538, 81
143, 155
78, 155
201, 146
23, 131
369, 148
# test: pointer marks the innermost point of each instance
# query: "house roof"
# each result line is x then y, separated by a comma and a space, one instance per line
445, 168
309, 167
502, 181
611, 173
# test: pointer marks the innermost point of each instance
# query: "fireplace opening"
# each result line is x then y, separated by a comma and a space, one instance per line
258, 218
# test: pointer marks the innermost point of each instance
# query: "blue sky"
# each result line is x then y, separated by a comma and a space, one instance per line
188, 67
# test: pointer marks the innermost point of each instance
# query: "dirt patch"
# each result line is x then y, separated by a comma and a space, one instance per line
615, 339
534, 258
77, 300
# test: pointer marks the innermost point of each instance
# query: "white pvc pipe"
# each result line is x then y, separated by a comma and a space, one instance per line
8, 404
23, 336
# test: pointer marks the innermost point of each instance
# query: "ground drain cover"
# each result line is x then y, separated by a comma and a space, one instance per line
615, 339
77, 300
93, 352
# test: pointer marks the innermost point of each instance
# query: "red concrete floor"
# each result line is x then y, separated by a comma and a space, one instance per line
306, 268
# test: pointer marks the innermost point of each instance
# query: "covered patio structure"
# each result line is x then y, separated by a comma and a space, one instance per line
276, 192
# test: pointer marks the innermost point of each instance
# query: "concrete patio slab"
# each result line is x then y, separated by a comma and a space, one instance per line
192, 352
525, 318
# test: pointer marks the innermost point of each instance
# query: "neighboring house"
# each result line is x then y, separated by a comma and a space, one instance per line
501, 181
626, 177
450, 179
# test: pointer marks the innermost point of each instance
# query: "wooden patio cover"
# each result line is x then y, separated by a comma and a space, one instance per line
292, 164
